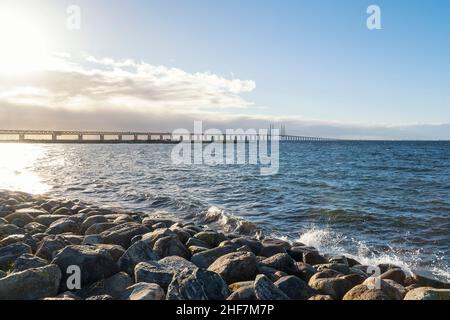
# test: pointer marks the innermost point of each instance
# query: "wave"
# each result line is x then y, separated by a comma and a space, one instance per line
229, 222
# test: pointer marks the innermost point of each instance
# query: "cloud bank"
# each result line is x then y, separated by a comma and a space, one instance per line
105, 94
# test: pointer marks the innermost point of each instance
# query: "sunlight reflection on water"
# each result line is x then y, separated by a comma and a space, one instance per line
17, 168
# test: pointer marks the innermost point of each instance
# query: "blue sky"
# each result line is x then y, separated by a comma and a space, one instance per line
310, 60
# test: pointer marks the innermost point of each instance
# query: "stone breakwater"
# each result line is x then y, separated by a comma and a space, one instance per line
63, 249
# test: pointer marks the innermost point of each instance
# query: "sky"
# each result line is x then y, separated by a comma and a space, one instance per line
160, 65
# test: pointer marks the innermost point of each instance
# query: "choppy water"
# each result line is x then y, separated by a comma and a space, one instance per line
378, 201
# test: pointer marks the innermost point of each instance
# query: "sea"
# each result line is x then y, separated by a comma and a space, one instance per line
377, 201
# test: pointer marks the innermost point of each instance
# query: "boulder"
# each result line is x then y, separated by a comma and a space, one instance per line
48, 219
19, 238
182, 234
390, 288
197, 285
91, 221
98, 228
33, 212
244, 293
295, 288
339, 267
64, 225
114, 250
428, 293
162, 272
198, 243
101, 297
196, 249
34, 227
212, 238
143, 291
425, 279
49, 245
206, 258
271, 273
237, 285
19, 219
321, 297
122, 234
235, 266
95, 263
397, 275
171, 246
304, 271
313, 258
31, 284
282, 262
113, 286
9, 229
157, 234
28, 261
335, 287
9, 254
266, 290
270, 250
363, 292
138, 252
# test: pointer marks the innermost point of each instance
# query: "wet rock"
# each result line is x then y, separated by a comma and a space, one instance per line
253, 244
9, 254
113, 286
31, 284
266, 290
91, 221
49, 245
162, 272
19, 219
28, 261
95, 263
339, 267
428, 293
98, 228
396, 275
282, 262
313, 258
244, 293
424, 279
198, 243
295, 288
123, 234
63, 225
235, 266
212, 238
138, 252
144, 291
304, 271
197, 285
171, 246
195, 249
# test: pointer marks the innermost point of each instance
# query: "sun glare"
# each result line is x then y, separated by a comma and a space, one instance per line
23, 45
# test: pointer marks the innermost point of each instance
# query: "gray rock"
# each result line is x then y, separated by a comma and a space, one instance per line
9, 229
304, 271
17, 238
183, 235
161, 272
49, 245
98, 228
428, 293
339, 267
123, 234
95, 263
266, 290
244, 293
295, 288
270, 250
206, 258
64, 225
28, 261
212, 238
31, 284
253, 244
235, 266
34, 227
138, 252
158, 234
313, 258
91, 221
171, 246
396, 275
282, 262
113, 286
197, 285
19, 219
48, 219
92, 239
144, 291
425, 279
9, 254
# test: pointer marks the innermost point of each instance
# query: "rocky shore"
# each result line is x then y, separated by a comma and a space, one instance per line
69, 250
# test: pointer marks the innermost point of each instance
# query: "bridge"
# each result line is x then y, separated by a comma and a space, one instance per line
51, 136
